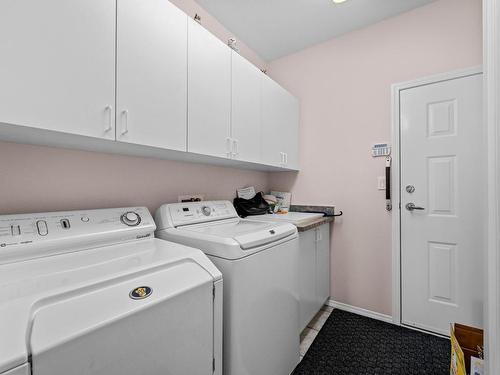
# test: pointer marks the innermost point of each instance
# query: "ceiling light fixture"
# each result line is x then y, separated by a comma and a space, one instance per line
339, 1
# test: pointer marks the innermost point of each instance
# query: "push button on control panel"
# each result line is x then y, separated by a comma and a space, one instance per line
15, 230
41, 226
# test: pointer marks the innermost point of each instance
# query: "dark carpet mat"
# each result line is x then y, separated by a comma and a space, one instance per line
350, 344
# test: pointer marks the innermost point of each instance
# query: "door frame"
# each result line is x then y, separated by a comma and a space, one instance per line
396, 173
491, 58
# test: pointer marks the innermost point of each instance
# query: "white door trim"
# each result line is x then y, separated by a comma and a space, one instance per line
395, 176
491, 24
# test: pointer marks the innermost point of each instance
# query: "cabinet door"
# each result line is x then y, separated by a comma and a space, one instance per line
272, 124
209, 92
307, 277
280, 125
290, 134
246, 109
152, 74
323, 264
57, 65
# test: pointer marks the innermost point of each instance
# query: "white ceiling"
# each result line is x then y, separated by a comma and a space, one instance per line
275, 28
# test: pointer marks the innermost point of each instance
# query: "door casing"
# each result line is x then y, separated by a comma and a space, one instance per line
491, 58
396, 173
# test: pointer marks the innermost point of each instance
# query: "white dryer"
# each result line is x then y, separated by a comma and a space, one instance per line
92, 292
259, 263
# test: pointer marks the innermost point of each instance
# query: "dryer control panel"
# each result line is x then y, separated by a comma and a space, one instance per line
26, 236
178, 214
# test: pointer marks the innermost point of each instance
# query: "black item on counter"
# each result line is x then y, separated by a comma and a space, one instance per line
248, 207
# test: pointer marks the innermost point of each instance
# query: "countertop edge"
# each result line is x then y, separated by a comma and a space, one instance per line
315, 223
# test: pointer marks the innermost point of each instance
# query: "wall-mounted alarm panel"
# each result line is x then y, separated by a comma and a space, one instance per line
381, 149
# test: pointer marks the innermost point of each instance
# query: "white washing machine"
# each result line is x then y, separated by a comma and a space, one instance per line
92, 292
259, 263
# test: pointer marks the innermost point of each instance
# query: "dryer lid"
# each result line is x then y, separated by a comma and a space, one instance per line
30, 285
248, 234
109, 330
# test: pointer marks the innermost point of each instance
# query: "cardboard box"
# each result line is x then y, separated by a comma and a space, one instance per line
466, 342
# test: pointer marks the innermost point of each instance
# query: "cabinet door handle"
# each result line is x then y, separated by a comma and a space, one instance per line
235, 147
228, 147
125, 127
109, 109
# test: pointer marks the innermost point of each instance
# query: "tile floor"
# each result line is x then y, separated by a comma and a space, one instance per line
311, 331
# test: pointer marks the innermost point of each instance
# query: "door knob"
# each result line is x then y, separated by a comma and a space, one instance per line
411, 207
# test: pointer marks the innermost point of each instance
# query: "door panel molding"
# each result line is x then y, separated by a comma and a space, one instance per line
395, 172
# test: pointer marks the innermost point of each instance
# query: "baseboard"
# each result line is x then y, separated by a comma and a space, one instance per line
360, 311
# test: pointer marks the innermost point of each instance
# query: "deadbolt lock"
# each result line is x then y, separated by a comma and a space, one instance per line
410, 188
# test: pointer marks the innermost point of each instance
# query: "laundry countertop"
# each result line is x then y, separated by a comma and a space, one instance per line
303, 227
303, 217
314, 223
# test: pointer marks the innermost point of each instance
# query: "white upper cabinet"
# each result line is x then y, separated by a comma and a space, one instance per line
209, 93
65, 66
57, 65
290, 133
152, 74
280, 125
246, 110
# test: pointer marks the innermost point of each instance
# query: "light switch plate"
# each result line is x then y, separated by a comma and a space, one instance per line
381, 182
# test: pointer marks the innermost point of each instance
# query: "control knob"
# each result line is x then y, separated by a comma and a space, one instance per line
206, 210
130, 218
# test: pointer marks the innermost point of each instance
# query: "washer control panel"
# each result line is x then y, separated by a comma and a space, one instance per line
194, 212
64, 231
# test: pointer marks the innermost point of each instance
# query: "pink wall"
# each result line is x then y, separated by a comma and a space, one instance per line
34, 178
344, 87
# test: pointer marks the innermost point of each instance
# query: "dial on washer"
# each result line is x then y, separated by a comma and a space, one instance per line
130, 218
206, 210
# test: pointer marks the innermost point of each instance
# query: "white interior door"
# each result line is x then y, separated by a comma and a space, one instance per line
57, 65
209, 92
152, 74
442, 175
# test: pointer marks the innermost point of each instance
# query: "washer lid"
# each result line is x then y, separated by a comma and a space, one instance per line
28, 286
248, 234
